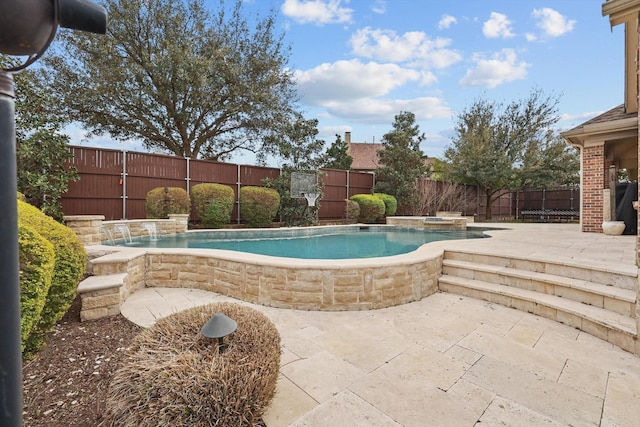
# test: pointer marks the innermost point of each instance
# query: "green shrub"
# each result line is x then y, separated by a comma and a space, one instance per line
371, 207
390, 203
162, 201
173, 376
69, 268
352, 209
258, 205
21, 197
213, 203
37, 261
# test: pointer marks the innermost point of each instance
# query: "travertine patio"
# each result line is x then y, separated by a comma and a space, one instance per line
446, 360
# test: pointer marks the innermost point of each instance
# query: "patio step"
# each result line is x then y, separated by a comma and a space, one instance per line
604, 308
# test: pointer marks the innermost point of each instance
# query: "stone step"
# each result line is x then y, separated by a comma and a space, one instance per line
98, 283
613, 327
100, 295
623, 277
621, 301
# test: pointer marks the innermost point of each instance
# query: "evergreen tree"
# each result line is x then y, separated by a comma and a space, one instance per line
337, 155
402, 163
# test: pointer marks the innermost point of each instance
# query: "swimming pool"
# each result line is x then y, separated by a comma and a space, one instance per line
355, 242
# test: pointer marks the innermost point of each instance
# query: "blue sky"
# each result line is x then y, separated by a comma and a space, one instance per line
359, 63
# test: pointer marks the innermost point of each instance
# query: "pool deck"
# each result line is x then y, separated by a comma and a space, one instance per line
446, 360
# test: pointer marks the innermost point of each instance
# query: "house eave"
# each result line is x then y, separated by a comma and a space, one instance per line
606, 130
620, 10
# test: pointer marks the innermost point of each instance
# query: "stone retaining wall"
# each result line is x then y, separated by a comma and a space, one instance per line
320, 287
93, 229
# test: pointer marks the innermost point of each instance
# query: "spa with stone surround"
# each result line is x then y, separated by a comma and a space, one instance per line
353, 284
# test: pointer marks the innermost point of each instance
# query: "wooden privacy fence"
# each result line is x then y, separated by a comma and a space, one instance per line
115, 183
470, 200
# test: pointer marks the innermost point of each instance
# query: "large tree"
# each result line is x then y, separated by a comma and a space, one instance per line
402, 162
178, 77
505, 147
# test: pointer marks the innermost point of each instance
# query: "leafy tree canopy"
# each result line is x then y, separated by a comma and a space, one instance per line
41, 149
337, 155
507, 147
402, 162
296, 144
177, 77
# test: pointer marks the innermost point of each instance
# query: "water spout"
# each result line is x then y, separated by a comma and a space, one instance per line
124, 231
107, 234
151, 229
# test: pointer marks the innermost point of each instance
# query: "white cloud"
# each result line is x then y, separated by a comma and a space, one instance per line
552, 23
501, 68
531, 37
411, 47
580, 117
318, 12
381, 111
498, 25
446, 21
351, 80
379, 7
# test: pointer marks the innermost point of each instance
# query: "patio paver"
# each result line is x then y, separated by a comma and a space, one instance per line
446, 360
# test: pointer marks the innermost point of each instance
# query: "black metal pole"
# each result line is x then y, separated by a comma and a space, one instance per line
10, 354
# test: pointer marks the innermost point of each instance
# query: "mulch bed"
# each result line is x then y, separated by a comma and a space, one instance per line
66, 383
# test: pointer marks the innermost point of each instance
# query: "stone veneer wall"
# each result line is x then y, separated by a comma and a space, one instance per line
593, 185
322, 287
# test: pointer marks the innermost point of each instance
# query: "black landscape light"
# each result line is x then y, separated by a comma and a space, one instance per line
219, 326
27, 28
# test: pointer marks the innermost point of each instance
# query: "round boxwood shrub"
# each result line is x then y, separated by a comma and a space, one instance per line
173, 376
390, 203
69, 267
37, 260
213, 203
371, 207
258, 205
162, 201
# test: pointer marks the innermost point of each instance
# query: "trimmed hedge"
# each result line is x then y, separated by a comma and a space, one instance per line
162, 201
371, 207
213, 203
258, 205
390, 203
69, 268
173, 376
37, 261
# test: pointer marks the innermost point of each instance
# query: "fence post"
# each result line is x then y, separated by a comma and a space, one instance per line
124, 184
188, 177
238, 196
347, 184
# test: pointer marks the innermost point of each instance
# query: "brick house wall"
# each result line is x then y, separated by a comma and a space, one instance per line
592, 185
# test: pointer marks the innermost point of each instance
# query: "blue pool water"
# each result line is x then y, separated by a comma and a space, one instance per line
313, 243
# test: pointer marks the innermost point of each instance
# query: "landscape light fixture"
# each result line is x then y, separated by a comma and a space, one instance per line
218, 327
27, 28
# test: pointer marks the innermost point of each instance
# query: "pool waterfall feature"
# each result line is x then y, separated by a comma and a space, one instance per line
351, 284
